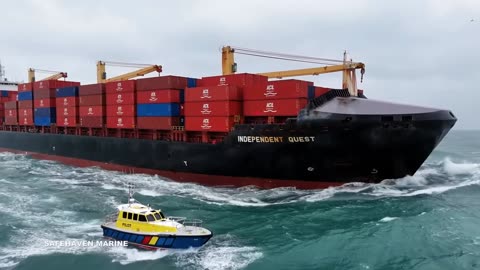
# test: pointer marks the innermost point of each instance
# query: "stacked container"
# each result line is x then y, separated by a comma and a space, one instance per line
230, 89
92, 105
25, 104
278, 98
212, 108
120, 100
44, 101
159, 101
11, 112
67, 106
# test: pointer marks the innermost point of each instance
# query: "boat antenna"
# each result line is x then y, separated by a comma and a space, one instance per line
131, 188
2, 71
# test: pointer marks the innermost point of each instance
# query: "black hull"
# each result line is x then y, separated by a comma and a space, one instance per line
317, 147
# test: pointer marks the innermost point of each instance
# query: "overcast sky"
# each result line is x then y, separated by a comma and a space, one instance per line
417, 52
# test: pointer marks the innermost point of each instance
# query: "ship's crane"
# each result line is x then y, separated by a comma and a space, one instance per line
144, 69
56, 74
348, 67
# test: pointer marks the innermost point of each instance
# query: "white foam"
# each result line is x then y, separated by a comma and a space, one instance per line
125, 255
229, 258
388, 219
219, 257
460, 168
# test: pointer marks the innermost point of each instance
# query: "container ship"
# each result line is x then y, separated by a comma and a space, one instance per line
228, 130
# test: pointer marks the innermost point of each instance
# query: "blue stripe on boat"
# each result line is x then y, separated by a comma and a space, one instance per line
120, 235
139, 239
132, 238
160, 241
114, 234
169, 241
126, 236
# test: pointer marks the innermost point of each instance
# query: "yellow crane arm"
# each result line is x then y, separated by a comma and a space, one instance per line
102, 76
313, 71
56, 76
133, 74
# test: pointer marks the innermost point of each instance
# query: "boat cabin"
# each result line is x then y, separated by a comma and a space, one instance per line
140, 218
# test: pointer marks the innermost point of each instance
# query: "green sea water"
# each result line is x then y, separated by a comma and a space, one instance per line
427, 221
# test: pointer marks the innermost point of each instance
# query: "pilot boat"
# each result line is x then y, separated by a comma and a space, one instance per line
148, 228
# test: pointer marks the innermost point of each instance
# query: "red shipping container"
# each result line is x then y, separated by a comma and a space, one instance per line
67, 111
25, 121
25, 104
44, 93
120, 122
66, 121
279, 107
44, 103
2, 107
157, 123
127, 98
162, 82
9, 120
11, 113
224, 92
91, 89
121, 110
213, 108
25, 112
158, 96
53, 84
93, 100
284, 89
214, 124
25, 87
320, 91
67, 101
92, 121
240, 80
92, 111
120, 87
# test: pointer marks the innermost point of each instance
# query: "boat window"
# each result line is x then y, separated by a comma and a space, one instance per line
150, 218
124, 214
135, 216
142, 218
129, 215
161, 214
157, 216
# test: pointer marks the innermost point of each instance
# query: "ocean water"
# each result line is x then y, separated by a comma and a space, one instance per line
427, 221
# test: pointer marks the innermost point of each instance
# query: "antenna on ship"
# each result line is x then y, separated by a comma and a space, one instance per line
2, 71
131, 191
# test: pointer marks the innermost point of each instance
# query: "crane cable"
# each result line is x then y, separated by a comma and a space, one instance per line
288, 57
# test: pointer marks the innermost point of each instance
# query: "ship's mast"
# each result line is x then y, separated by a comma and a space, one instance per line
2, 71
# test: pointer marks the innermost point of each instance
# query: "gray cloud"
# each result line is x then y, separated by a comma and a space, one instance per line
420, 52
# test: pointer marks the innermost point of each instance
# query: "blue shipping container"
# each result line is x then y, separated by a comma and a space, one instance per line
71, 91
44, 121
191, 82
4, 93
45, 112
25, 96
161, 109
311, 91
